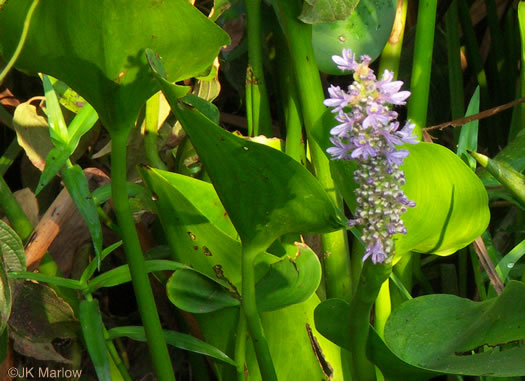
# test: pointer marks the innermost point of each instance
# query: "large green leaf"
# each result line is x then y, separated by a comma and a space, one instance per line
97, 47
289, 199
453, 335
365, 31
451, 202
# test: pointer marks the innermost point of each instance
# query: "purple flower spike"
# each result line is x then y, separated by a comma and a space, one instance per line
369, 134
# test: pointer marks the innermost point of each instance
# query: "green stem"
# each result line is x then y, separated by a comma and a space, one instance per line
391, 54
150, 134
257, 103
422, 64
240, 346
253, 320
9, 156
372, 277
336, 260
21, 42
145, 301
455, 76
14, 212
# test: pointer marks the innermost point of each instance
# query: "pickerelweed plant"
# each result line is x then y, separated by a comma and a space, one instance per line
369, 133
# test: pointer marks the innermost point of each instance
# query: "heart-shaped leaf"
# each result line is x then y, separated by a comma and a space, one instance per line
365, 31
454, 335
97, 48
246, 173
11, 248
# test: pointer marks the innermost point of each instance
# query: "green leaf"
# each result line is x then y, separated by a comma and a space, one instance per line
57, 125
193, 292
120, 274
80, 125
11, 248
468, 137
176, 339
196, 225
451, 202
97, 48
453, 335
325, 11
365, 31
392, 367
92, 267
290, 280
44, 278
55, 161
246, 173
77, 186
93, 331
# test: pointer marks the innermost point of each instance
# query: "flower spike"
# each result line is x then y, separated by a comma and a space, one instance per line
369, 134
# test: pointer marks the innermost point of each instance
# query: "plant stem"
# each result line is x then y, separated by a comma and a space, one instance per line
336, 260
257, 103
249, 306
140, 280
521, 108
240, 346
372, 277
391, 54
422, 64
21, 42
150, 134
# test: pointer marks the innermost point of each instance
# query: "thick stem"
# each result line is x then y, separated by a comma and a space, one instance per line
253, 320
336, 260
143, 293
240, 346
372, 277
422, 64
257, 103
391, 54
